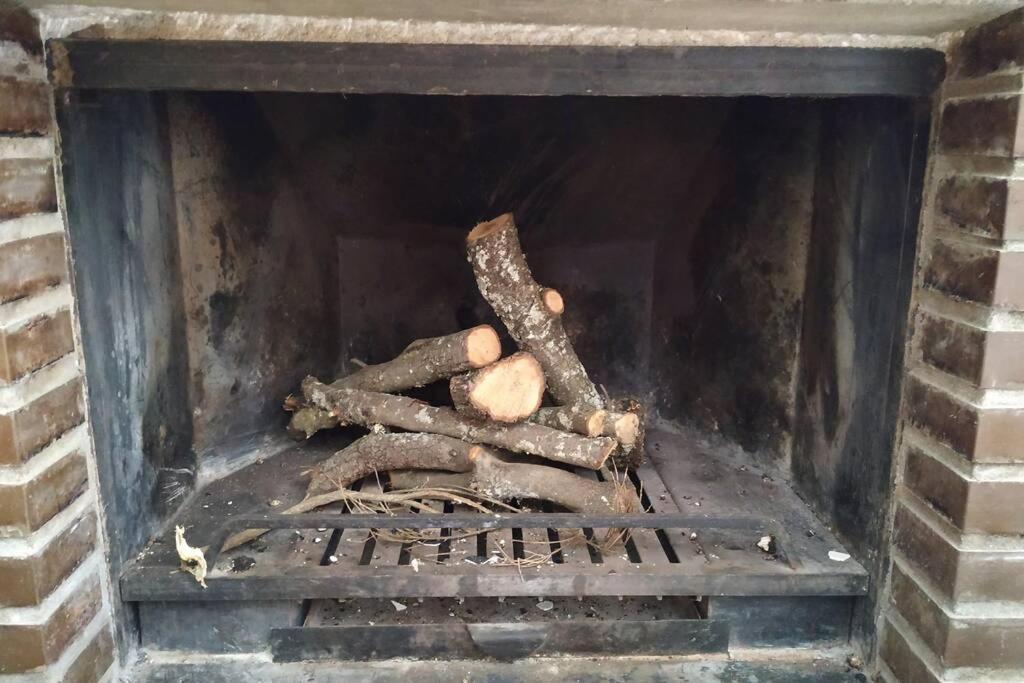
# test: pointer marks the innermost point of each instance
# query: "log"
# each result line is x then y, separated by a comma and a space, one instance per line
625, 427
423, 362
506, 481
366, 408
530, 312
627, 421
367, 455
509, 390
385, 452
578, 418
418, 479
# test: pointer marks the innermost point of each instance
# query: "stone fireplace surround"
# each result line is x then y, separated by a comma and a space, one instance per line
953, 594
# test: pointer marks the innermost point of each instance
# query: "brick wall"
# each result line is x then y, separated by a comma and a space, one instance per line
54, 613
955, 605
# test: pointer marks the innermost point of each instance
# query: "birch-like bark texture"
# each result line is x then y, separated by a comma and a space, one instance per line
530, 312
423, 362
384, 452
367, 408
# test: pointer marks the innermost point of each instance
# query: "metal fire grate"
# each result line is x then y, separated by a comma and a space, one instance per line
710, 550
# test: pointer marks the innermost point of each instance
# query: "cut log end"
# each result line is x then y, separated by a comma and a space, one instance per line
627, 428
552, 301
482, 346
482, 230
507, 391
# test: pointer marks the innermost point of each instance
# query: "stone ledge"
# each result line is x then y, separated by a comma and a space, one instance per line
907, 656
90, 657
24, 107
26, 186
33, 225
996, 45
26, 432
994, 642
31, 266
959, 574
47, 301
14, 397
968, 312
28, 581
29, 646
989, 126
987, 206
975, 273
12, 147
991, 84
984, 358
33, 544
26, 506
974, 507
34, 344
990, 435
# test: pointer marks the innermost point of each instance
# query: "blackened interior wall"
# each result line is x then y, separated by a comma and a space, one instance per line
677, 229
127, 279
867, 200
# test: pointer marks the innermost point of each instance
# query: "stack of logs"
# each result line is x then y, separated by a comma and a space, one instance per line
497, 402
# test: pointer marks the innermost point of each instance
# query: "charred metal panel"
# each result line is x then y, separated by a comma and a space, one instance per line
866, 206
124, 247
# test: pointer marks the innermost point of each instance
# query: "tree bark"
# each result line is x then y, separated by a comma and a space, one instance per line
423, 362
385, 452
352, 406
509, 390
530, 312
578, 418
416, 479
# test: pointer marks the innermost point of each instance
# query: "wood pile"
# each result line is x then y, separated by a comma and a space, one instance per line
496, 413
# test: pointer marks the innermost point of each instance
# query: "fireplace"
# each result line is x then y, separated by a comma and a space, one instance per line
704, 248
734, 232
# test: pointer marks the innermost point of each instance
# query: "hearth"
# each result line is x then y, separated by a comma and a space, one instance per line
733, 254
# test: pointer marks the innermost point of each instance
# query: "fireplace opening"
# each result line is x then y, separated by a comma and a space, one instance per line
739, 265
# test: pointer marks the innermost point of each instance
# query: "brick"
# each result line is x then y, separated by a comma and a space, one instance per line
977, 642
26, 186
986, 358
31, 265
28, 430
981, 435
991, 507
24, 107
958, 574
30, 647
35, 344
974, 273
987, 127
26, 507
993, 46
26, 581
94, 661
902, 658
981, 205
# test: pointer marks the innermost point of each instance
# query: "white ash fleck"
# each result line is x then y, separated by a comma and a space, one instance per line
765, 544
545, 605
837, 556
399, 607
333, 559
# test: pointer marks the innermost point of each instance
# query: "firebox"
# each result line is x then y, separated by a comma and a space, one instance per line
732, 233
